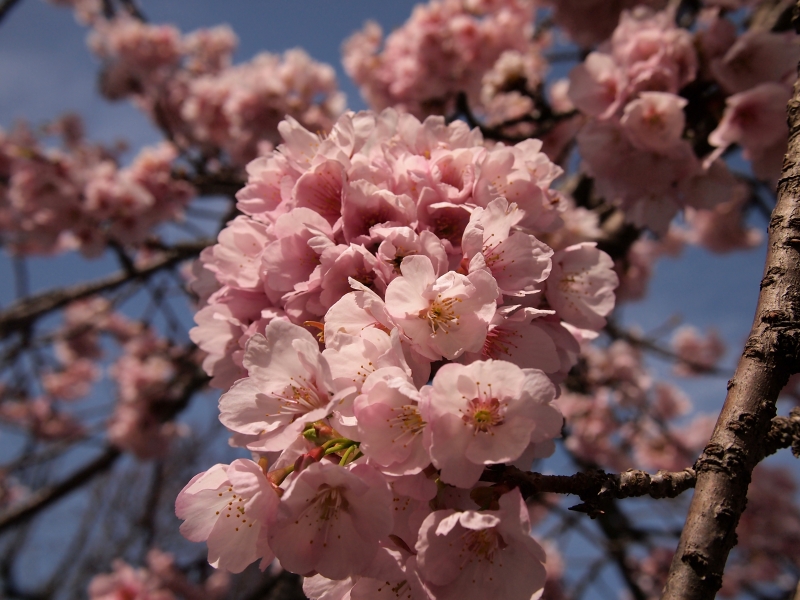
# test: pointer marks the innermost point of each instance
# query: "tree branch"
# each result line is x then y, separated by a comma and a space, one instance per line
595, 487
43, 498
617, 333
24, 312
6, 6
223, 183
771, 355
190, 380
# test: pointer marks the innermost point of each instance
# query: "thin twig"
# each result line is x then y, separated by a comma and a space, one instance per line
618, 333
133, 10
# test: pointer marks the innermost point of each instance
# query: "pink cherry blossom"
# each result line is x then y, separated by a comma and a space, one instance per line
340, 264
220, 327
513, 337
231, 507
581, 285
589, 22
389, 422
487, 412
365, 205
517, 261
724, 227
399, 242
445, 47
594, 85
481, 554
353, 358
236, 259
288, 384
357, 311
129, 583
647, 185
291, 259
698, 352
757, 57
521, 174
655, 121
756, 120
444, 316
654, 53
331, 519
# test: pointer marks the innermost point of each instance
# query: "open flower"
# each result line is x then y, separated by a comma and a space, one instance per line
481, 554
518, 261
289, 384
232, 507
444, 316
486, 413
330, 520
389, 422
581, 285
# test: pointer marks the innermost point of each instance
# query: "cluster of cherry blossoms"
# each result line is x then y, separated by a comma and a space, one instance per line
638, 89
146, 374
389, 217
189, 87
638, 106
650, 119
445, 47
622, 418
161, 579
78, 197
444, 324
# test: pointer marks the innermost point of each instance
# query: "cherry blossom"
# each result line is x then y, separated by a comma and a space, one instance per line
289, 383
241, 494
390, 424
517, 261
401, 308
444, 316
581, 285
487, 412
475, 554
330, 520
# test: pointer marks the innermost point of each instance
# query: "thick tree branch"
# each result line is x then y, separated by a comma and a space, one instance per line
771, 355
24, 312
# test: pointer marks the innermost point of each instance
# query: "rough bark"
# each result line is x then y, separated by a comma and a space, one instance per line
771, 355
593, 487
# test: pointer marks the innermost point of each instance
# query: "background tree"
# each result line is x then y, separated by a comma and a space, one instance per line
668, 121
